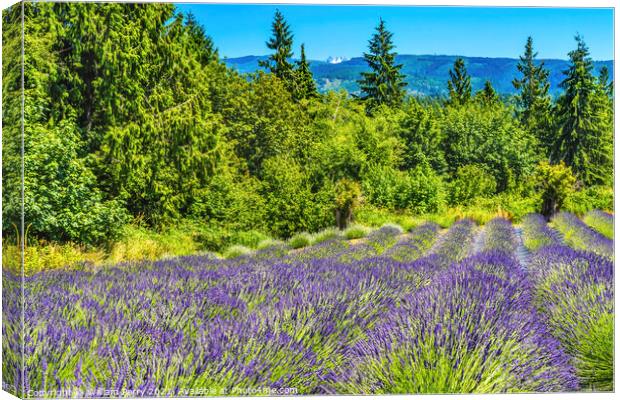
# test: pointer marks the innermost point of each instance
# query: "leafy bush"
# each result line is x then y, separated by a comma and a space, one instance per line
236, 251
267, 243
554, 183
355, 232
300, 240
248, 238
489, 136
471, 181
347, 199
419, 190
325, 235
591, 198
291, 204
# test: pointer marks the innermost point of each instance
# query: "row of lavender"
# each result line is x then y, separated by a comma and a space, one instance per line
574, 290
395, 314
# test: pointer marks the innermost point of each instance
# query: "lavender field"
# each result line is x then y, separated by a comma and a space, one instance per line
491, 309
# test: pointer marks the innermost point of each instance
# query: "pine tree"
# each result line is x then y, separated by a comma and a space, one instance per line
584, 135
384, 84
487, 95
282, 43
203, 47
606, 85
305, 86
459, 84
533, 100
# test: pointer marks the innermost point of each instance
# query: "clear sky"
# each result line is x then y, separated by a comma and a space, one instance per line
240, 30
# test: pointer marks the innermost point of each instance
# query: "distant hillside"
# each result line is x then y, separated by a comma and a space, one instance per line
426, 74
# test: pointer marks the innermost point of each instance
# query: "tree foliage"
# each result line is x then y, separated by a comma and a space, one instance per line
384, 84
459, 85
130, 116
584, 132
281, 42
533, 100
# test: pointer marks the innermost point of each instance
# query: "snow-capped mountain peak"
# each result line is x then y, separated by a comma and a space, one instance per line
336, 60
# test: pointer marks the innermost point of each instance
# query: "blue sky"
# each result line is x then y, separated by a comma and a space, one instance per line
240, 30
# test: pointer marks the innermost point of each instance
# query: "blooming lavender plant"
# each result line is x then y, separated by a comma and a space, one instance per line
574, 292
415, 244
499, 235
467, 331
412, 313
536, 232
581, 237
600, 221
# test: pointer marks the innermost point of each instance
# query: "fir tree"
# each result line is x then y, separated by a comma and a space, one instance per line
606, 85
304, 85
584, 135
487, 95
282, 43
533, 100
459, 84
384, 84
203, 47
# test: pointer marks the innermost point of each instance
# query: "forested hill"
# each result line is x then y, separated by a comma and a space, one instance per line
425, 74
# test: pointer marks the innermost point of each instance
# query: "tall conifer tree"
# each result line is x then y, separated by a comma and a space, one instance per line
606, 84
282, 44
203, 46
584, 134
487, 95
384, 84
533, 100
305, 86
459, 85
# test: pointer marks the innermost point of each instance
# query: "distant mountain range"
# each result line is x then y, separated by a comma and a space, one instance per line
425, 74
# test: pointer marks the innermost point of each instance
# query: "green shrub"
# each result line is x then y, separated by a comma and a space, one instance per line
356, 232
554, 183
347, 199
236, 251
248, 238
375, 217
471, 181
394, 227
592, 198
325, 235
300, 240
292, 205
267, 243
419, 190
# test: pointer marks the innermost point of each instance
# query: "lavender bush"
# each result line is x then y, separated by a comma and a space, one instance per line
574, 291
601, 222
393, 313
467, 331
537, 233
581, 237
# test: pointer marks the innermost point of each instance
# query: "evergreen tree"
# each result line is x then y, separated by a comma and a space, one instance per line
305, 86
203, 48
282, 43
487, 95
606, 85
533, 100
384, 84
459, 84
584, 135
